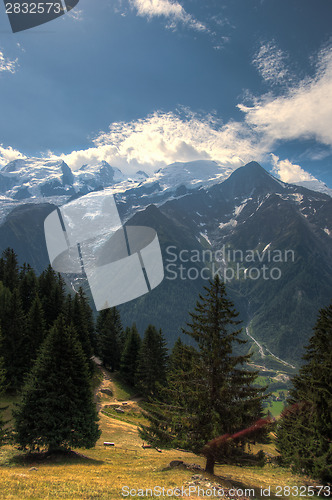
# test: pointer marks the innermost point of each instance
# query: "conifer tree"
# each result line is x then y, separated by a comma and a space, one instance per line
305, 428
51, 292
124, 336
28, 286
214, 395
35, 331
5, 299
152, 361
79, 321
109, 331
10, 269
14, 342
129, 356
88, 318
2, 390
56, 409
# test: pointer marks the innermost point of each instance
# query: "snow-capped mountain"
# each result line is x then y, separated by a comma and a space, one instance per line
38, 177
91, 177
40, 180
248, 211
191, 174
262, 222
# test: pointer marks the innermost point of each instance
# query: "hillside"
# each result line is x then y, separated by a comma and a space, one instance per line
100, 473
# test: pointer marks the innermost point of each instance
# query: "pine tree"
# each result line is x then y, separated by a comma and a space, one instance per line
28, 286
79, 321
14, 342
10, 270
2, 390
129, 356
109, 331
35, 331
88, 318
5, 299
214, 395
152, 362
305, 429
51, 291
56, 409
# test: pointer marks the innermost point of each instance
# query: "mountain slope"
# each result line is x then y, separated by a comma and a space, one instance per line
270, 241
23, 230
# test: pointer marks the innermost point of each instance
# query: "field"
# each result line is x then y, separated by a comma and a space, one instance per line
102, 472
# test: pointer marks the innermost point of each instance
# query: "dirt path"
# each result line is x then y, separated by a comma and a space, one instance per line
104, 394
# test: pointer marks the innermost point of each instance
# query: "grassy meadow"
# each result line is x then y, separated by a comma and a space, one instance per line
101, 472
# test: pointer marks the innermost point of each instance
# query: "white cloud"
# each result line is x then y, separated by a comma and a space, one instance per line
303, 112
164, 138
270, 62
76, 14
9, 154
289, 172
173, 11
7, 64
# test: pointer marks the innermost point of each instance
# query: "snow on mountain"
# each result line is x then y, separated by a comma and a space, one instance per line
39, 178
90, 177
316, 185
35, 177
191, 174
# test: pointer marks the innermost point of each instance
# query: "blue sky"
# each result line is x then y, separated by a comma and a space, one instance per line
144, 83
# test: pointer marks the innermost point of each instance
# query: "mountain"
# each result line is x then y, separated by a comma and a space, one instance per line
191, 174
271, 241
25, 178
249, 221
23, 230
91, 177
169, 183
39, 177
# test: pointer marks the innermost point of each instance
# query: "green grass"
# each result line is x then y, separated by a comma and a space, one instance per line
122, 391
276, 408
131, 416
101, 472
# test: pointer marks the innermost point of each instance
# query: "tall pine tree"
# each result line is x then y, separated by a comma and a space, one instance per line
129, 358
28, 286
56, 409
2, 390
35, 331
16, 357
218, 397
110, 332
305, 428
51, 291
80, 323
9, 269
152, 362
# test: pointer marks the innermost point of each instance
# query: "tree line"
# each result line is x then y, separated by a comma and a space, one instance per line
48, 338
202, 398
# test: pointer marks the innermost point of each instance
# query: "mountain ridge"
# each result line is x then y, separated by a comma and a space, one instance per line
250, 212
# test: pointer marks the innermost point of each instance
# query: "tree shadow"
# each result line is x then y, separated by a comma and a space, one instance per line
59, 457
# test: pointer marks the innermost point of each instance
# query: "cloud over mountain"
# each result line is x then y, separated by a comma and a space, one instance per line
173, 11
303, 112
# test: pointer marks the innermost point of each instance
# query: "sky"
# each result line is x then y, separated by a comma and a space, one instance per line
145, 83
